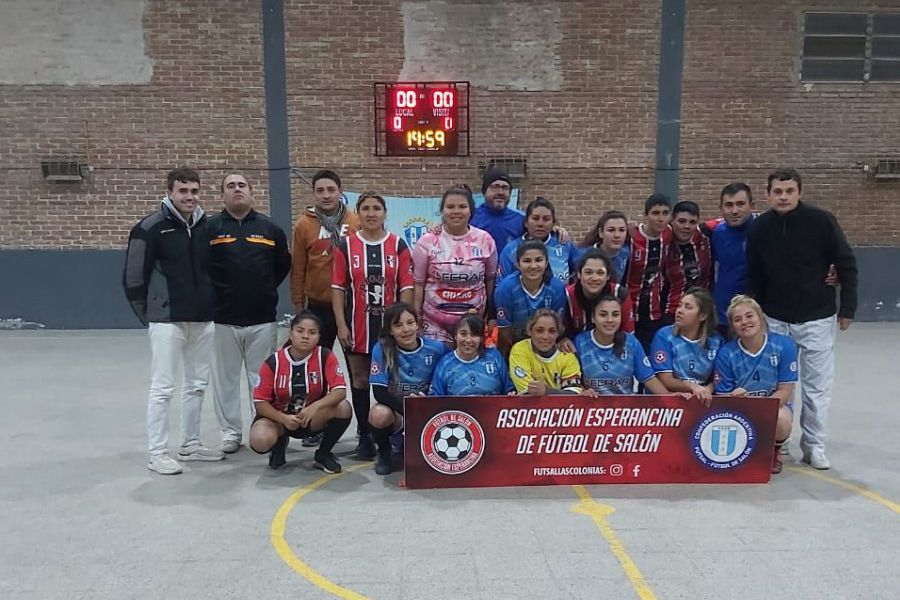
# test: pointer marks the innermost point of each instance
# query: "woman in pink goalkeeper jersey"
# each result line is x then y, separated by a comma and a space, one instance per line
454, 267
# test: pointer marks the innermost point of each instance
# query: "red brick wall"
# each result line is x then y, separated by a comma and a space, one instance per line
590, 144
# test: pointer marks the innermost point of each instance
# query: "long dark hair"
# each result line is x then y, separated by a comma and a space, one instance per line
388, 343
592, 238
619, 335
586, 303
540, 247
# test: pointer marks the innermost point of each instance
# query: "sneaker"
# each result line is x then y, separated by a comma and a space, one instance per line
200, 452
327, 462
312, 441
164, 464
816, 458
385, 464
276, 454
777, 465
231, 446
365, 449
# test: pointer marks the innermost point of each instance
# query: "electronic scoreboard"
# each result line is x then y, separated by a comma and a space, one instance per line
421, 118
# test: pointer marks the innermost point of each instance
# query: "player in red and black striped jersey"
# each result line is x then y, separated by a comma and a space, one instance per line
301, 392
372, 270
688, 262
593, 279
649, 244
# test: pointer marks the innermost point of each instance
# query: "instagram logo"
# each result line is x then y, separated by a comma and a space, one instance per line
616, 470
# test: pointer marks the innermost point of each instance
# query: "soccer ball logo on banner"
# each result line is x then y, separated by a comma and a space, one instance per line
452, 442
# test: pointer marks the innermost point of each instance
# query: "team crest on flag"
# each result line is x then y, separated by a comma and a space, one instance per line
414, 229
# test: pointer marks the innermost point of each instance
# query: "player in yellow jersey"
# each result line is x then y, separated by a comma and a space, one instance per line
536, 366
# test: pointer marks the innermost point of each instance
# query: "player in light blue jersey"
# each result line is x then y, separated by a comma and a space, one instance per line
540, 220
471, 369
402, 365
683, 354
758, 363
612, 359
519, 295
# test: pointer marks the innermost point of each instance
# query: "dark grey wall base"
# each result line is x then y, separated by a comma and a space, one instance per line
82, 289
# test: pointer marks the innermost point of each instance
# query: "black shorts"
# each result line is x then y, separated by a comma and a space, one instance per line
297, 434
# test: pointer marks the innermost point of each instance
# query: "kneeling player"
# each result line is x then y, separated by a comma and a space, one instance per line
536, 366
402, 365
301, 392
758, 363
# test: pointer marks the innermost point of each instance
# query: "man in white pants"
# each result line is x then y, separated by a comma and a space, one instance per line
167, 282
790, 249
249, 258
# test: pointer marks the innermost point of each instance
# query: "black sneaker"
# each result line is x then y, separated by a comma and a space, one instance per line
312, 441
276, 455
365, 449
327, 462
384, 465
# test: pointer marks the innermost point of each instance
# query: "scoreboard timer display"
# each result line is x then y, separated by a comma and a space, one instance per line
421, 119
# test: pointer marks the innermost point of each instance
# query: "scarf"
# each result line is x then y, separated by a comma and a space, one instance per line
332, 223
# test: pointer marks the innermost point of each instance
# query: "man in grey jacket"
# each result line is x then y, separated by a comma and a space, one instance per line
167, 282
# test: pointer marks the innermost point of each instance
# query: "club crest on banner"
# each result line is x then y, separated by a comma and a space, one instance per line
414, 229
452, 442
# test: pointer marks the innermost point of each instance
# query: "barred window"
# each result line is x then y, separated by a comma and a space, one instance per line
851, 46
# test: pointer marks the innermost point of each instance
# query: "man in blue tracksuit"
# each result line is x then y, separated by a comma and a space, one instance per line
494, 216
729, 247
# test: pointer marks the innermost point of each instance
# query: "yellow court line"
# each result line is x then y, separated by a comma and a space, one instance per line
598, 513
284, 549
862, 491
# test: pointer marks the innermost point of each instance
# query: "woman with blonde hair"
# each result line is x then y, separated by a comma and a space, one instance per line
758, 363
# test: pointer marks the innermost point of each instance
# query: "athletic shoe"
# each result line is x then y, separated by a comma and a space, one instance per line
164, 464
231, 446
276, 455
397, 442
312, 441
777, 465
327, 462
200, 452
365, 449
815, 457
384, 465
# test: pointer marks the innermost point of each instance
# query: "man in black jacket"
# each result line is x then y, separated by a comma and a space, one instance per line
167, 282
789, 252
248, 260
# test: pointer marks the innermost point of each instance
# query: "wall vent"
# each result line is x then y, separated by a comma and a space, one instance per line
517, 168
887, 169
62, 170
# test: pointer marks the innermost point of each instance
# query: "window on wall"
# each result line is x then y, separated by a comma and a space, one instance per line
850, 46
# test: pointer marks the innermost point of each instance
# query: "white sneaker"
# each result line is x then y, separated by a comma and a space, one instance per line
164, 464
200, 452
230, 446
816, 458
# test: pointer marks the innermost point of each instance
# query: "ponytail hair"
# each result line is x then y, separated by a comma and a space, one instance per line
476, 325
706, 308
388, 343
619, 335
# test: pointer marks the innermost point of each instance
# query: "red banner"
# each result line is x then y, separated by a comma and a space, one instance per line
566, 440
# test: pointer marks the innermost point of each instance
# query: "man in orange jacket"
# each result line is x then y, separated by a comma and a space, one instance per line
316, 233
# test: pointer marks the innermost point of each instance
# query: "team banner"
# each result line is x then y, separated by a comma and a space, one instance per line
567, 440
411, 217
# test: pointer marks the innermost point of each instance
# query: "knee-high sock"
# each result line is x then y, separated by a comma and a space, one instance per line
361, 408
334, 429
382, 437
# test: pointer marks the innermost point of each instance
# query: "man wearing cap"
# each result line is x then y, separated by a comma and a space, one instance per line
249, 258
494, 216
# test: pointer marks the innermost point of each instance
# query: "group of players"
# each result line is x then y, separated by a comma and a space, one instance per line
492, 302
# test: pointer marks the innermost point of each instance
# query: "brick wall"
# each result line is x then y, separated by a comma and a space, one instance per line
588, 132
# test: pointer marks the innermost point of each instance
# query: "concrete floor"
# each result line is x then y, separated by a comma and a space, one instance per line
82, 517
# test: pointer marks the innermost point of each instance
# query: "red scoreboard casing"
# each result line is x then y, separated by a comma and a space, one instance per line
420, 119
